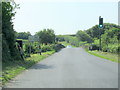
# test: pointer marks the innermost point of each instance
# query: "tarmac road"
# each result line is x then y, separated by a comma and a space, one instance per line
69, 68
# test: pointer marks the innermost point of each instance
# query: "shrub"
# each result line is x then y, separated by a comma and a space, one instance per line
105, 48
26, 47
93, 47
48, 47
26, 55
58, 47
113, 48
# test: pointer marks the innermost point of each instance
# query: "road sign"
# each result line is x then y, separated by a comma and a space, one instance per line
30, 38
34, 38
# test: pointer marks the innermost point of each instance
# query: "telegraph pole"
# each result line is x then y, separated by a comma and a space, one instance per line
100, 28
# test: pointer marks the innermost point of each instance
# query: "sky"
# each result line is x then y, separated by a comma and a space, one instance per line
63, 16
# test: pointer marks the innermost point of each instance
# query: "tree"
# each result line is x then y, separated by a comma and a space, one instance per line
110, 40
60, 38
23, 35
83, 36
94, 31
9, 52
46, 36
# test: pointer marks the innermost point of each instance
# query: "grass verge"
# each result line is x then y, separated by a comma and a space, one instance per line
13, 68
106, 55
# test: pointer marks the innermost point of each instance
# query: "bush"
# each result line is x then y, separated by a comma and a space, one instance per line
26, 47
48, 47
113, 48
93, 47
5, 51
105, 48
83, 36
58, 47
26, 55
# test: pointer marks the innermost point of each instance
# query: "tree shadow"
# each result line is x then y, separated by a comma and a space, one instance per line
41, 66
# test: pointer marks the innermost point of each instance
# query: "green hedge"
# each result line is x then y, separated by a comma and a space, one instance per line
48, 47
58, 47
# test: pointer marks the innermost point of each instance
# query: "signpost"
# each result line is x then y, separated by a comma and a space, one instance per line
100, 28
32, 39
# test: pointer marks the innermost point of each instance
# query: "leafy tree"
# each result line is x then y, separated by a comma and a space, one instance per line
23, 35
1, 18
110, 39
46, 36
94, 31
60, 38
9, 52
83, 36
73, 40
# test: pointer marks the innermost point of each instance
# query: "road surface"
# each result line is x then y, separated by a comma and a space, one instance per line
69, 68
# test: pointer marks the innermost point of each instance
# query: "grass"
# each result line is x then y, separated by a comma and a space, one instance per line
106, 55
13, 68
22, 39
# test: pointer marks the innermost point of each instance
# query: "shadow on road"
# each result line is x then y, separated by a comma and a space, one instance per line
35, 67
42, 66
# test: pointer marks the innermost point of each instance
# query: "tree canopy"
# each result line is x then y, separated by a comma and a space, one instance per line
83, 36
46, 36
94, 31
9, 52
23, 35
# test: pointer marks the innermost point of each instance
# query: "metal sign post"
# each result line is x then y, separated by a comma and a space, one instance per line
100, 39
30, 38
